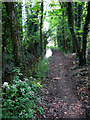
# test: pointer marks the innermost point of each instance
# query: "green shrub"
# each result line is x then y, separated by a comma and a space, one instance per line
20, 98
41, 69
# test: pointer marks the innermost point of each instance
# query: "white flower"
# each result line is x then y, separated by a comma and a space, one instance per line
31, 77
22, 90
20, 74
5, 84
26, 79
38, 83
20, 113
8, 88
26, 99
20, 81
18, 71
34, 79
29, 88
14, 86
31, 93
24, 82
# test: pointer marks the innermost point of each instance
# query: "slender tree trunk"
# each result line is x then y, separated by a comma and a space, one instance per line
41, 27
80, 10
63, 28
71, 24
76, 16
58, 37
85, 33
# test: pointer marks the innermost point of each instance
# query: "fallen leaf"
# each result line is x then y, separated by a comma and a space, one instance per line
65, 97
81, 89
60, 64
57, 78
70, 106
65, 112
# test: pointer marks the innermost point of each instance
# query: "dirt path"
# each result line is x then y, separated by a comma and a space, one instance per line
58, 98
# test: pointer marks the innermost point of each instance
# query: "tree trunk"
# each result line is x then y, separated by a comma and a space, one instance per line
80, 10
18, 25
58, 36
63, 27
71, 24
85, 33
41, 27
13, 30
81, 52
76, 15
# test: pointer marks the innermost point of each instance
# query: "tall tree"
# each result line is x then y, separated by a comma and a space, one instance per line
13, 24
71, 24
79, 19
63, 26
41, 28
85, 33
75, 15
81, 51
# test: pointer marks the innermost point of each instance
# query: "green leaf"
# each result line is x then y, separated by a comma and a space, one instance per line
79, 3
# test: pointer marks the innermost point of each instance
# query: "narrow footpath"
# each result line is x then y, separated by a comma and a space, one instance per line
58, 98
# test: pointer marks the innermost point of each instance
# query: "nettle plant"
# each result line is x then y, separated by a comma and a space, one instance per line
20, 99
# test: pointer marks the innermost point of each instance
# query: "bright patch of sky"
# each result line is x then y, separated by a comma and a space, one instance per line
23, 14
48, 53
46, 9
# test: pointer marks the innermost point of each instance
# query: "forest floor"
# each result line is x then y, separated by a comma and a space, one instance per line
64, 93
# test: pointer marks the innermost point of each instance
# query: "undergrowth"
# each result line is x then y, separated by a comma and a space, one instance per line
21, 97
40, 69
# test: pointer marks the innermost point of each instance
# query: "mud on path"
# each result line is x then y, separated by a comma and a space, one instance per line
58, 98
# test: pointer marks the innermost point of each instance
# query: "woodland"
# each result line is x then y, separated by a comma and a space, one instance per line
34, 86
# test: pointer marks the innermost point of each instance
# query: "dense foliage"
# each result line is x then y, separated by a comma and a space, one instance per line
70, 23
24, 44
21, 97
